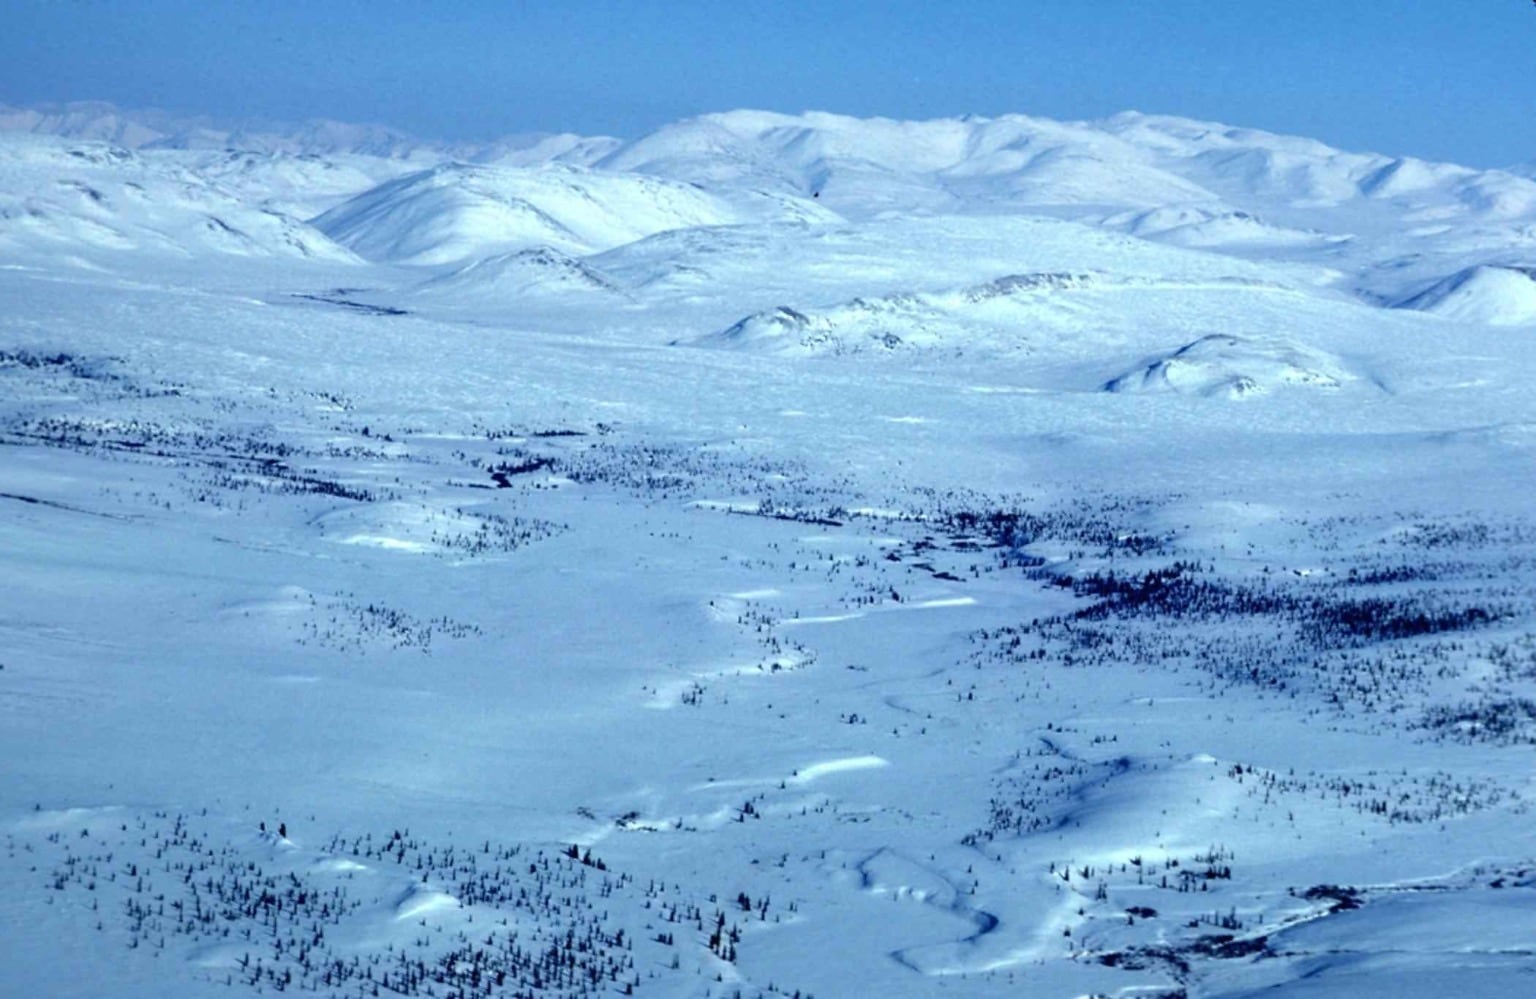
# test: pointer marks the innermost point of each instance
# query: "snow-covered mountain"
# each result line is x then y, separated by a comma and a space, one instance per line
780, 555
150, 129
1129, 160
1389, 225
1237, 190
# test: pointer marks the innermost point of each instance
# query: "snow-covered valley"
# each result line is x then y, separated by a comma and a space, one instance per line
775, 556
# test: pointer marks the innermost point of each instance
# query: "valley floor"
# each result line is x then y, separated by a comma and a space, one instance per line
353, 648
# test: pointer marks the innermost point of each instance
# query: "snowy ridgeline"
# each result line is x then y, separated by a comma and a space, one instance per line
1397, 231
776, 556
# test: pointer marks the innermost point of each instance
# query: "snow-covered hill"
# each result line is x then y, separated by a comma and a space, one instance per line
1496, 296
60, 199
456, 212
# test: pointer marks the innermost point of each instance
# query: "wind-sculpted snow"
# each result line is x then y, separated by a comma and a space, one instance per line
1049, 562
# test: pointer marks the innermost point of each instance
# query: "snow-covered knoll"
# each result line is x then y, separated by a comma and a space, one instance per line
1234, 367
1490, 294
517, 274
781, 556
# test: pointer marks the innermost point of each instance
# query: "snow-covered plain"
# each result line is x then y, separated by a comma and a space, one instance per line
779, 555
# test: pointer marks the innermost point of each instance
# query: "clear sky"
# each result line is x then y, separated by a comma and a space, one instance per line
1443, 79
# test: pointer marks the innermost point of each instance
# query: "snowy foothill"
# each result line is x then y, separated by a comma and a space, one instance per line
777, 556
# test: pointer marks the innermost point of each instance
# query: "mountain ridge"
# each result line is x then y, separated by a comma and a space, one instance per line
1386, 226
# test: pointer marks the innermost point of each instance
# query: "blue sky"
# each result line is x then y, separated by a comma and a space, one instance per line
1443, 79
